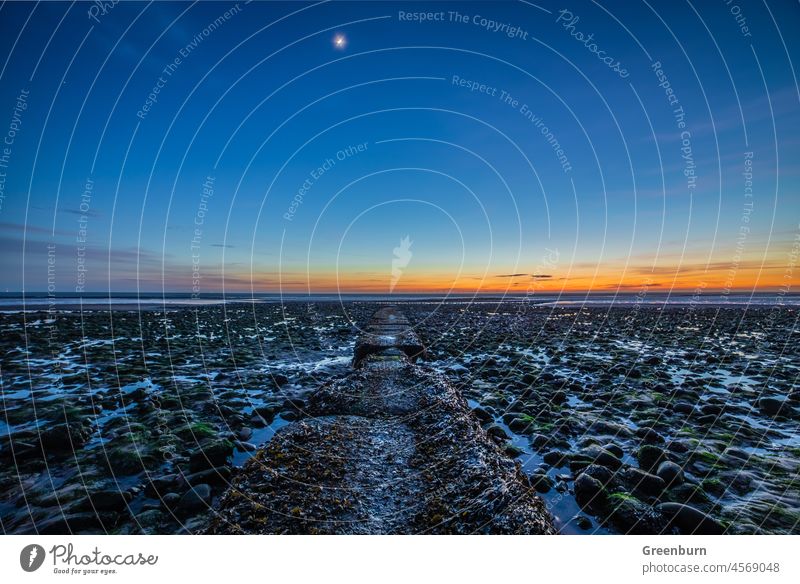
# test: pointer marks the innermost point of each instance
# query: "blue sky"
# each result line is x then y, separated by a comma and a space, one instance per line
264, 99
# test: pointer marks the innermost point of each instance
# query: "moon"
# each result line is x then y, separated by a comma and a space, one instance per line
339, 41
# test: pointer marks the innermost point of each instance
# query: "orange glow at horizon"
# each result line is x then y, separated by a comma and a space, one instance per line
717, 277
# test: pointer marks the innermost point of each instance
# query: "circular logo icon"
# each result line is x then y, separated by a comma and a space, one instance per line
31, 557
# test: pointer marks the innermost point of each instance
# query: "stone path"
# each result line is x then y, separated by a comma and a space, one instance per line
390, 448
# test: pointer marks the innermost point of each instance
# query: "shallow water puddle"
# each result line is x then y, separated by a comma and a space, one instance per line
259, 438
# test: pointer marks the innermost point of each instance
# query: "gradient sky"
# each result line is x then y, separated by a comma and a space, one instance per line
263, 100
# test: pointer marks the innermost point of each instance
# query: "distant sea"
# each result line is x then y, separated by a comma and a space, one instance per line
13, 302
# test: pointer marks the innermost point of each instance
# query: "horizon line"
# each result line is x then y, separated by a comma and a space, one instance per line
619, 291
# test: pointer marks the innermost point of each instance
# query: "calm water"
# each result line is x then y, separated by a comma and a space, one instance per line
15, 301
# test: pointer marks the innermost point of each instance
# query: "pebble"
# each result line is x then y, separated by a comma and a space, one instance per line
691, 520
773, 406
670, 473
649, 456
643, 482
195, 499
597, 455
589, 491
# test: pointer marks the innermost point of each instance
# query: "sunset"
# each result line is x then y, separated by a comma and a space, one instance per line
326, 149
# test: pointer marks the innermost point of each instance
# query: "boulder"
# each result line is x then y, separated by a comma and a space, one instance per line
496, 431
589, 491
650, 436
63, 438
197, 498
670, 473
774, 406
210, 455
110, 500
650, 456
520, 425
690, 520
643, 482
595, 454
629, 515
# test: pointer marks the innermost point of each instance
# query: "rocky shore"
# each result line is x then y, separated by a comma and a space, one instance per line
634, 419
391, 448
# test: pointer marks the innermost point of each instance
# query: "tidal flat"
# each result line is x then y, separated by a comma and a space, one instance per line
634, 419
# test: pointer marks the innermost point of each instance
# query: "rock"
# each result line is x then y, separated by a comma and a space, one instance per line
740, 482
539, 441
678, 446
210, 455
245, 433
541, 482
609, 428
589, 491
670, 473
496, 431
774, 406
644, 482
482, 414
63, 438
683, 408
295, 405
601, 473
615, 450
170, 500
513, 451
71, 523
458, 369
735, 456
149, 520
195, 499
554, 458
650, 456
711, 409
690, 520
212, 476
595, 454
582, 522
650, 436
280, 379
265, 412
110, 500
17, 448
705, 421
162, 484
257, 421
713, 486
126, 460
508, 417
519, 425
689, 493
629, 515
